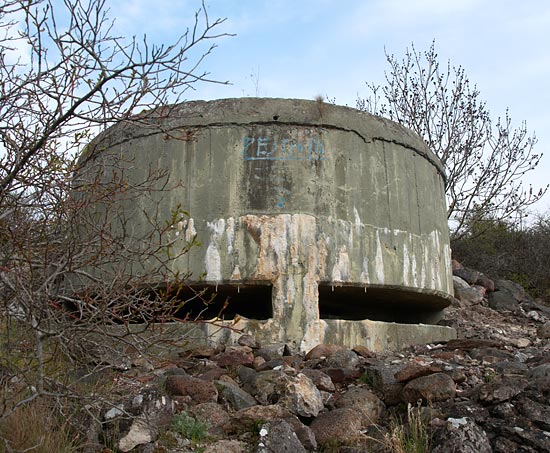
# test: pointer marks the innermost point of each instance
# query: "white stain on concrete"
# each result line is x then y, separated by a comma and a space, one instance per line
230, 234
341, 268
212, 259
379, 261
190, 231
365, 271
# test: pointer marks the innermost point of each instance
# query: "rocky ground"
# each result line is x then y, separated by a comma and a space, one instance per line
487, 391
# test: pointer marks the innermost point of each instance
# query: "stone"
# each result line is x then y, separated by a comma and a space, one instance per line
322, 351
254, 414
237, 355
225, 446
336, 427
471, 343
197, 390
363, 401
414, 370
213, 414
461, 436
544, 330
143, 416
382, 380
321, 380
344, 358
248, 340
265, 386
432, 388
234, 395
468, 275
539, 377
302, 397
502, 388
486, 282
297, 393
278, 436
536, 412
514, 289
472, 295
503, 301
271, 351
456, 265
342, 375
459, 283
490, 355
245, 419
364, 352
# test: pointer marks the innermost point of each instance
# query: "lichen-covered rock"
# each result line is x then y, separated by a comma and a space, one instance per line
339, 426
365, 402
278, 436
138, 420
301, 396
461, 436
234, 395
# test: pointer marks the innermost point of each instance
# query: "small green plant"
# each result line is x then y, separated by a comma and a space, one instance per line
189, 427
489, 375
366, 378
410, 437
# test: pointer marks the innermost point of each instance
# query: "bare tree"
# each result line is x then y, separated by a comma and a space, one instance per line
484, 160
64, 76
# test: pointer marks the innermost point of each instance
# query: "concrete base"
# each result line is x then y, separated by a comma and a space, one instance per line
376, 335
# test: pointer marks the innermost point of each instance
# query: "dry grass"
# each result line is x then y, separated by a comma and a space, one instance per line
36, 428
413, 436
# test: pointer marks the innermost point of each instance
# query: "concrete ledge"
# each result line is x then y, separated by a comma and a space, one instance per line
376, 335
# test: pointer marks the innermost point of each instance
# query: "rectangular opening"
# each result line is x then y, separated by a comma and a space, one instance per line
389, 304
226, 301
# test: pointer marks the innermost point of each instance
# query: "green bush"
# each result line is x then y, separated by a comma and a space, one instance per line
499, 249
189, 427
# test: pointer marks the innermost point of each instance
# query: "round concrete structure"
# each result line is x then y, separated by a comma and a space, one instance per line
339, 213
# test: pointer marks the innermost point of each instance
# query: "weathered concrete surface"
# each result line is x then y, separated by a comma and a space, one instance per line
295, 194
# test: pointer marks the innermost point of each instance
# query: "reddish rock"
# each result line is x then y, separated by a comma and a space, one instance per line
363, 401
364, 352
337, 427
472, 343
432, 388
416, 370
237, 355
212, 414
342, 375
197, 390
248, 340
324, 351
486, 282
321, 380
258, 362
472, 295
456, 265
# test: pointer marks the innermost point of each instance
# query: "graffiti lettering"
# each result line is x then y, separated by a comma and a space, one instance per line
271, 148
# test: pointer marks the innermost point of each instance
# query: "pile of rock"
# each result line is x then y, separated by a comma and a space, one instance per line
487, 391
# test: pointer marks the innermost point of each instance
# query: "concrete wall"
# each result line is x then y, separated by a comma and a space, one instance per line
294, 194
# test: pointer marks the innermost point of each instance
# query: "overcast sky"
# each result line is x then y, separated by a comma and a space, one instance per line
303, 48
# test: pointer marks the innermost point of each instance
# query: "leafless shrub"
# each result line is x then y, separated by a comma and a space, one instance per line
484, 160
64, 294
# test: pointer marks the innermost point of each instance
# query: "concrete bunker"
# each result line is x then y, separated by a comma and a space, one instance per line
321, 223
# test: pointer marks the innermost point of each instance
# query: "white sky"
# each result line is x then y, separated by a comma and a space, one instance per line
302, 48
